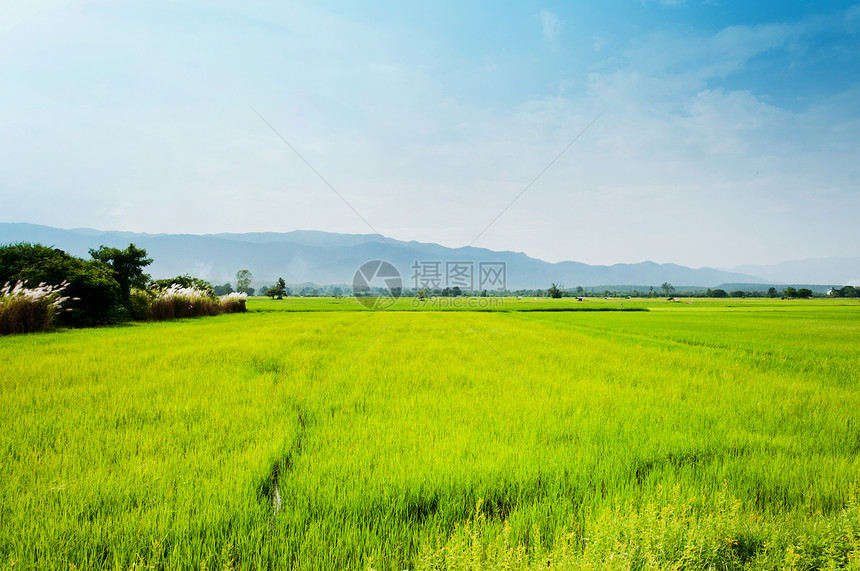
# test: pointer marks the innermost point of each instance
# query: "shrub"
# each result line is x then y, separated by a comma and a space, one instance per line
90, 281
139, 304
24, 310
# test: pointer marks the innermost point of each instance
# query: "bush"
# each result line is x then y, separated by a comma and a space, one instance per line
139, 304
24, 310
92, 282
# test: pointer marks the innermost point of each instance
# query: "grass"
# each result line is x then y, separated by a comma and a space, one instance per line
592, 438
28, 310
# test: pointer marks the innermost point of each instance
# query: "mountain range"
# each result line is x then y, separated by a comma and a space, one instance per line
318, 257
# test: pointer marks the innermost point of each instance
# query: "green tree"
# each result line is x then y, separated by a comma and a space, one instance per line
92, 286
667, 288
243, 282
222, 289
771, 292
790, 292
804, 293
184, 281
719, 293
127, 266
846, 291
554, 291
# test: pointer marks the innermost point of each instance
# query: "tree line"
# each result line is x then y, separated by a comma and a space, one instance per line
110, 287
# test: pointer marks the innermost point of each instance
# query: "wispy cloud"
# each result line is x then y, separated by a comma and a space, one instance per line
426, 130
551, 25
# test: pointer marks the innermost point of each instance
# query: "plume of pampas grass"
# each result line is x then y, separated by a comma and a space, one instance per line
27, 310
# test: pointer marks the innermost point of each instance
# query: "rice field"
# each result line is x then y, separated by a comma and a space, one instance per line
314, 434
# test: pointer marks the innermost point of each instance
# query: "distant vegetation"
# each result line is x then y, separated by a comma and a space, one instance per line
109, 288
112, 287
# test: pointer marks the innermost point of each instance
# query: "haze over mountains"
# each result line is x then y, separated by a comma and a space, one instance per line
328, 258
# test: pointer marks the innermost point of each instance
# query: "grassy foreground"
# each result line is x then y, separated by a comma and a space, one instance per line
313, 434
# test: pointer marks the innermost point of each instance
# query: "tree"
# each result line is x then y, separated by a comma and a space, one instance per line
243, 282
278, 290
184, 281
804, 293
719, 293
790, 292
456, 291
738, 293
92, 286
127, 266
846, 291
222, 289
554, 292
771, 292
667, 288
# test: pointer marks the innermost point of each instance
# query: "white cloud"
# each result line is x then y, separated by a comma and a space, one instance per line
551, 25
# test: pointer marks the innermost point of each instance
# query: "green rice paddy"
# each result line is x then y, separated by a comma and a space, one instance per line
314, 434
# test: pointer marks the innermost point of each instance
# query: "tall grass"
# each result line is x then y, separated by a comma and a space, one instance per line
177, 302
233, 302
27, 310
672, 532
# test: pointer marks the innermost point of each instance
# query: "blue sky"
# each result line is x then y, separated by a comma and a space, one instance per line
728, 132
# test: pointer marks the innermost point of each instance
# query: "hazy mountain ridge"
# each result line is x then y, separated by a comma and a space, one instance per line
331, 258
832, 271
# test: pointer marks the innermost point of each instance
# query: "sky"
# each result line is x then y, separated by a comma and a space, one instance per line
710, 133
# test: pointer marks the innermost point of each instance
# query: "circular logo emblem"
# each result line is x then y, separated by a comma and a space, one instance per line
377, 284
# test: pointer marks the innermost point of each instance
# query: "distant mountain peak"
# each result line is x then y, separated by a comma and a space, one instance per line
332, 258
